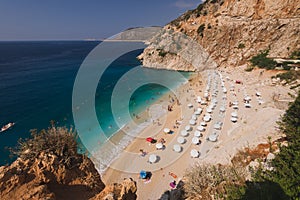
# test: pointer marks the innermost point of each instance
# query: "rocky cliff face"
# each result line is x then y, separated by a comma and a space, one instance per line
227, 33
47, 177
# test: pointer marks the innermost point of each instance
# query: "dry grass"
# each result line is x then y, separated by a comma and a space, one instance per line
212, 181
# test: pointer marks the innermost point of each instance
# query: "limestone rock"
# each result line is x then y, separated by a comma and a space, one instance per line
232, 32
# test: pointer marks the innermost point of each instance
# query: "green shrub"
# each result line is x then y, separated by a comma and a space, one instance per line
295, 54
162, 53
262, 61
200, 29
59, 141
241, 46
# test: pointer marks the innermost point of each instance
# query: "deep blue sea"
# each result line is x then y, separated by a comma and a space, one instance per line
36, 83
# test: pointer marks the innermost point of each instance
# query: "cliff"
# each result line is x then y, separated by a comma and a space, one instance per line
227, 33
49, 167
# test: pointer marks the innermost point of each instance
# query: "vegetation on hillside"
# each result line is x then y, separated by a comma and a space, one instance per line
284, 181
262, 61
59, 141
203, 181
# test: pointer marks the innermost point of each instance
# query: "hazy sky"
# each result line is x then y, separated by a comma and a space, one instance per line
80, 19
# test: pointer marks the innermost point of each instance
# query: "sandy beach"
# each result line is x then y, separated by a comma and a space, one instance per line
253, 125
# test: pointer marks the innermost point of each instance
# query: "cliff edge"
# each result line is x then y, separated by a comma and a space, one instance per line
228, 32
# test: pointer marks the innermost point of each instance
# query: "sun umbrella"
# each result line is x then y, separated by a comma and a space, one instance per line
233, 119
247, 98
197, 134
234, 114
192, 122
166, 130
195, 140
184, 133
203, 124
206, 118
197, 112
143, 174
247, 105
217, 126
187, 128
235, 107
180, 140
152, 158
258, 94
190, 105
149, 139
213, 138
235, 103
200, 128
177, 148
222, 109
159, 146
194, 153
209, 110
194, 117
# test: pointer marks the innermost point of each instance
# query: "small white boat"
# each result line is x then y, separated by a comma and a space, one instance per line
7, 126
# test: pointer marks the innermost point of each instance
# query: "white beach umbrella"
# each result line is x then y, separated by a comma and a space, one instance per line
224, 90
206, 118
203, 124
195, 140
199, 109
194, 117
188, 128
194, 153
205, 94
235, 107
177, 148
247, 98
217, 126
235, 103
233, 119
190, 105
209, 110
197, 134
192, 122
152, 158
167, 130
181, 140
184, 133
200, 128
203, 102
222, 109
159, 146
258, 94
197, 112
247, 105
234, 114
213, 137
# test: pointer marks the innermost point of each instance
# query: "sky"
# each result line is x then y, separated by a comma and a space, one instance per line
82, 19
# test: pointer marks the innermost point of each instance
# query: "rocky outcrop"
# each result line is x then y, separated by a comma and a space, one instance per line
47, 178
228, 33
126, 190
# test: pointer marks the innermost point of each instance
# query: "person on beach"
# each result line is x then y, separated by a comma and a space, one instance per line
143, 153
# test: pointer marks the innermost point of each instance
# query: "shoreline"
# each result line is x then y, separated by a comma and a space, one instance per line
139, 124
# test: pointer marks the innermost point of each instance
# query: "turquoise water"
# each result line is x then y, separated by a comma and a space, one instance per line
36, 84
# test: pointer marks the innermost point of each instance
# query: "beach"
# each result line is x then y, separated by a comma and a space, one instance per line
253, 126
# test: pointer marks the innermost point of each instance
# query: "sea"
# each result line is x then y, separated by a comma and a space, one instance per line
36, 85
